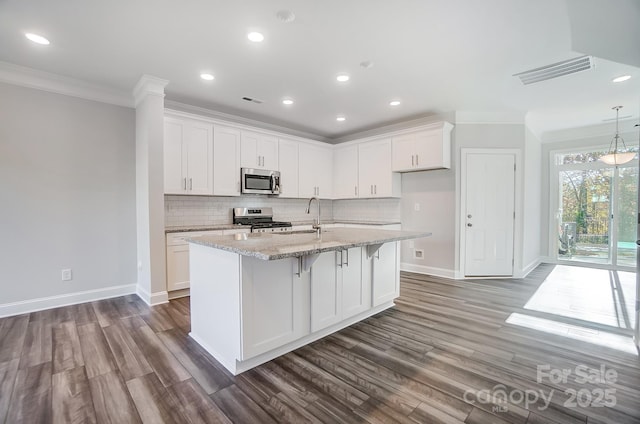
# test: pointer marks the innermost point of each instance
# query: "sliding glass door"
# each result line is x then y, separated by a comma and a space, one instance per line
597, 210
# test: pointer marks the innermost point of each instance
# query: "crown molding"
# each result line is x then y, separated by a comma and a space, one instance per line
54, 83
175, 106
148, 85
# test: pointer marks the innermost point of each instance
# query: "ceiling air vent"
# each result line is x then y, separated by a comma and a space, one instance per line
250, 99
566, 67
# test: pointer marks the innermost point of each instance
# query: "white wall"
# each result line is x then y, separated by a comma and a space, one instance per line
67, 189
532, 201
437, 192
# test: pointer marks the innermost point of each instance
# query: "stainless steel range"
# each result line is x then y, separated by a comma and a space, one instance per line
260, 220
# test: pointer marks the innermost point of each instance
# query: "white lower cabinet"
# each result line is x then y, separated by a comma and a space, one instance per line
385, 274
274, 305
338, 289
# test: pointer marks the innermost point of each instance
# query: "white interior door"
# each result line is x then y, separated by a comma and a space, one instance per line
489, 214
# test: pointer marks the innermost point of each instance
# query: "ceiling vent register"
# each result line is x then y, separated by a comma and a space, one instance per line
251, 99
566, 67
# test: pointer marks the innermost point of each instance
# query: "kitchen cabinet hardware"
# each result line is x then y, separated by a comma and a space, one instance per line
185, 183
412, 163
469, 224
347, 263
190, 183
339, 263
417, 160
469, 216
355, 190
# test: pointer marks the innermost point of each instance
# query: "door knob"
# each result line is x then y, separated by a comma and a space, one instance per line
469, 225
469, 216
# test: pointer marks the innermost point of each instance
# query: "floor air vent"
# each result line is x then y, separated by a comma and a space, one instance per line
571, 66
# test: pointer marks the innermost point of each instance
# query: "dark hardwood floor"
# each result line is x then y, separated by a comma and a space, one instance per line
444, 354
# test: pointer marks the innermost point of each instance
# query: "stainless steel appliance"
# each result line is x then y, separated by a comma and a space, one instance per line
260, 181
260, 220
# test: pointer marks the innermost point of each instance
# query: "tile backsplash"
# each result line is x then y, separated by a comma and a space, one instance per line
205, 210
367, 210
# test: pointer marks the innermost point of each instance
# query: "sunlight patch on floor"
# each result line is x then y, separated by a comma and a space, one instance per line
594, 295
588, 335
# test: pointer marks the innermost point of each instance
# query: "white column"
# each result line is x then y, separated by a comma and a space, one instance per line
149, 101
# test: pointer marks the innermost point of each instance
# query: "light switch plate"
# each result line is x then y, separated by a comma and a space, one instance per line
67, 275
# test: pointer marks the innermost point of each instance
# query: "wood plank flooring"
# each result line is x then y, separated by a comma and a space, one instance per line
430, 359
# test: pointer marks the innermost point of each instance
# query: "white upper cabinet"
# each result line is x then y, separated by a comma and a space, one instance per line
226, 161
345, 172
188, 157
259, 151
288, 161
429, 148
375, 178
315, 171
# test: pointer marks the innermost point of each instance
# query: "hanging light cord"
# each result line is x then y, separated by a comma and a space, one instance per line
617, 136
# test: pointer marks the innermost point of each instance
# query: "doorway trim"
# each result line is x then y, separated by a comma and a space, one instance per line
519, 204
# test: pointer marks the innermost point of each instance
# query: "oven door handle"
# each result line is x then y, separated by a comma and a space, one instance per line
274, 186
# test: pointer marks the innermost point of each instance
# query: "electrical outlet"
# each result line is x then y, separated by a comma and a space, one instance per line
418, 254
416, 206
67, 275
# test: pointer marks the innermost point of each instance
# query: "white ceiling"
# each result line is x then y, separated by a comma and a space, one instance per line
435, 56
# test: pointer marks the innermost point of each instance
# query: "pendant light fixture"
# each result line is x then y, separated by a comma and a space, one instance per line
614, 157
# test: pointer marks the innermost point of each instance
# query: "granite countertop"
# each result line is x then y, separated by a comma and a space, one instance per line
272, 246
189, 228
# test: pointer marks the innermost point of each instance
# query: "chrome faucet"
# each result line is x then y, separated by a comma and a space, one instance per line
316, 226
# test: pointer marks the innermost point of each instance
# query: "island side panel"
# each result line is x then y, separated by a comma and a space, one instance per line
215, 302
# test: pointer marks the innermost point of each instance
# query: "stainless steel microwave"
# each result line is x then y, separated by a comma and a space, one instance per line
260, 181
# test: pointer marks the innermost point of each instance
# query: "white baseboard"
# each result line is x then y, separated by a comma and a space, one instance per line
428, 270
176, 294
39, 304
527, 269
152, 299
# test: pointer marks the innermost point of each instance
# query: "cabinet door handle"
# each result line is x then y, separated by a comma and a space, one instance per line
347, 263
375, 189
340, 263
412, 164
371, 189
355, 190
417, 163
190, 183
185, 183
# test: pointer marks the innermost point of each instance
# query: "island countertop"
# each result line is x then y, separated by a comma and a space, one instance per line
273, 246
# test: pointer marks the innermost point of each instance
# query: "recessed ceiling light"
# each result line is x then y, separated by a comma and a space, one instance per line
39, 39
341, 119
342, 78
394, 103
621, 78
287, 102
207, 77
256, 37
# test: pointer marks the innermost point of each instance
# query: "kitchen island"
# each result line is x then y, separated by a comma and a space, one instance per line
257, 296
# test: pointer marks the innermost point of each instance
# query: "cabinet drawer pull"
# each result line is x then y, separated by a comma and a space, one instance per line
185, 183
412, 164
339, 263
355, 190
417, 163
190, 183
